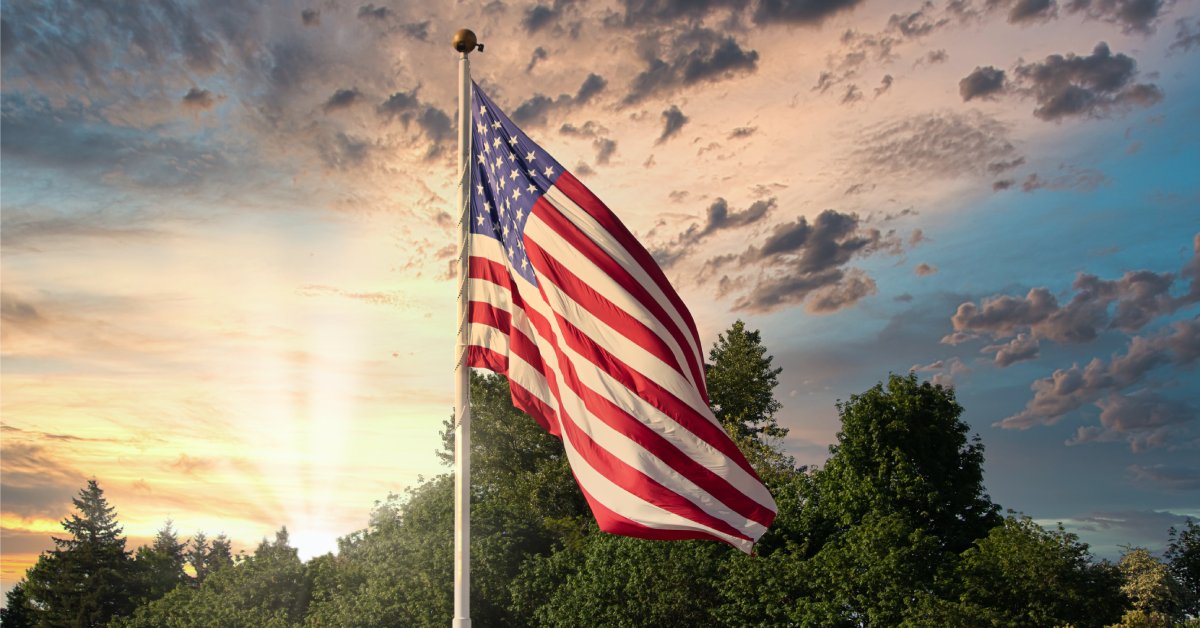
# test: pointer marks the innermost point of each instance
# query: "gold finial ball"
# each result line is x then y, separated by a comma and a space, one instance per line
464, 41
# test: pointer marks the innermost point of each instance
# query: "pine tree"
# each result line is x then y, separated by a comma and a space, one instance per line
160, 565
88, 578
741, 384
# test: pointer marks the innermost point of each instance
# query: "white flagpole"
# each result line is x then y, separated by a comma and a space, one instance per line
464, 42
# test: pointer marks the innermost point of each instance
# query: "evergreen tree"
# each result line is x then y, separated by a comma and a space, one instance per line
88, 578
197, 557
741, 384
16, 612
160, 565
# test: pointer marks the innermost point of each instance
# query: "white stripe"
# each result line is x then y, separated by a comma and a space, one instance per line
626, 450
600, 281
613, 248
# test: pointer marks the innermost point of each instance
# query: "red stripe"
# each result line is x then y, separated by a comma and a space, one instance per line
614, 523
485, 358
603, 309
484, 268
572, 235
529, 403
574, 190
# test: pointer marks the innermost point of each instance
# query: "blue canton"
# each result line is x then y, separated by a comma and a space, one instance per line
510, 173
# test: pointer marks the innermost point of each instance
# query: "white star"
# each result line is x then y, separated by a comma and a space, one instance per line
482, 160
512, 174
530, 156
531, 188
512, 141
479, 188
516, 193
479, 218
487, 207
496, 124
548, 171
496, 142
524, 263
482, 129
504, 230
502, 181
487, 148
482, 109
510, 251
512, 157
496, 164
520, 214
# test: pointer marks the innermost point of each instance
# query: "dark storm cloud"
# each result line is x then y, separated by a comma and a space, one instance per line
539, 54
1025, 11
939, 144
885, 84
799, 12
197, 98
434, 124
984, 82
1127, 304
852, 95
1132, 15
742, 131
1002, 184
1145, 420
537, 17
717, 217
400, 104
536, 110
342, 99
310, 17
933, 57
604, 149
36, 481
673, 121
691, 57
1071, 85
802, 262
638, 12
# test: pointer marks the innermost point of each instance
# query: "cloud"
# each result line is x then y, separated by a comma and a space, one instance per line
1082, 180
801, 262
1146, 420
1023, 347
1026, 11
693, 56
945, 372
799, 12
341, 151
310, 17
984, 82
539, 54
718, 217
372, 12
1170, 477
1187, 36
885, 84
918, 23
673, 121
199, 99
1127, 304
1071, 85
941, 144
536, 110
742, 131
342, 99
1132, 15
924, 270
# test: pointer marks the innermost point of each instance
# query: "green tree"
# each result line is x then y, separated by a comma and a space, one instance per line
1183, 557
16, 612
88, 578
1021, 574
160, 565
741, 384
1155, 596
269, 588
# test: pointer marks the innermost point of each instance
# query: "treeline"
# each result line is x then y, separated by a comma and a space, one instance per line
896, 529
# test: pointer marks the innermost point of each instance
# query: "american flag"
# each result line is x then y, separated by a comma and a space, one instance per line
598, 348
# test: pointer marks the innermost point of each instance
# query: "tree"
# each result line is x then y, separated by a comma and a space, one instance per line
160, 565
741, 384
88, 578
1183, 557
17, 612
1021, 574
1155, 597
904, 449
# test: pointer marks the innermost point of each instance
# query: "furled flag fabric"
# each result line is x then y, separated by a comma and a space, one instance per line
598, 348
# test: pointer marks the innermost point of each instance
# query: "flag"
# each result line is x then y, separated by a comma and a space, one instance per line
598, 348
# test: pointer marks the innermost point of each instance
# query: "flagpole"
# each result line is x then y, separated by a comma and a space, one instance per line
464, 42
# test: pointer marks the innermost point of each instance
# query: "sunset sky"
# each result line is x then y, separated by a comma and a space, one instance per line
227, 236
